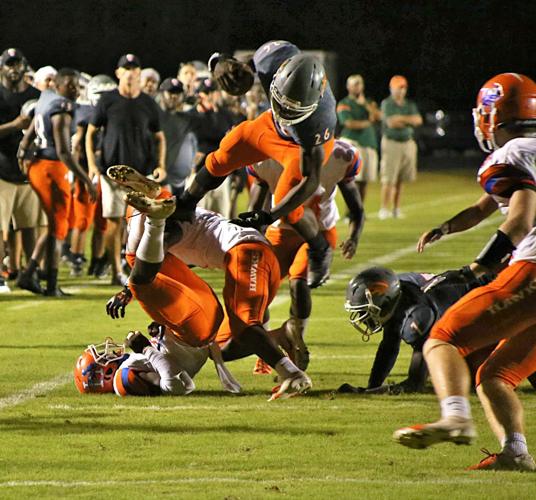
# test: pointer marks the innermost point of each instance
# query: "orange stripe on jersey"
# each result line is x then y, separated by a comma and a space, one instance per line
343, 107
503, 180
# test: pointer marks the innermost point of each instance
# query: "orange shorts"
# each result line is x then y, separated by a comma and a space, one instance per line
251, 283
49, 179
182, 301
256, 140
291, 250
83, 208
502, 310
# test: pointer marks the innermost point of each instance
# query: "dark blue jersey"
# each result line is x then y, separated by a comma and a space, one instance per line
82, 115
48, 105
317, 128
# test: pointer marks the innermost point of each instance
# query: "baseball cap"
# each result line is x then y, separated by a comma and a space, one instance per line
11, 55
398, 81
206, 85
172, 85
129, 60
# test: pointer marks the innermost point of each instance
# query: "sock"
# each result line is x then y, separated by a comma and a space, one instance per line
151, 247
31, 267
286, 368
455, 406
52, 280
515, 444
135, 231
297, 325
318, 242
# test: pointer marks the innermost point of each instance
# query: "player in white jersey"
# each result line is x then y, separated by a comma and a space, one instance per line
162, 365
291, 249
251, 274
504, 310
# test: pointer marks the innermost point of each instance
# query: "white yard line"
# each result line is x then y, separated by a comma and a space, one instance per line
278, 480
37, 390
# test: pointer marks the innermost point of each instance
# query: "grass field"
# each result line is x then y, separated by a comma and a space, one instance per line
58, 443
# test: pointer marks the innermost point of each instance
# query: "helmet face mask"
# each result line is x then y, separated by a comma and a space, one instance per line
371, 300
296, 89
95, 368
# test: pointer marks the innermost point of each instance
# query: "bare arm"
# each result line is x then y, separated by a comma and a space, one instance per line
90, 150
311, 165
352, 198
17, 124
160, 170
466, 219
78, 143
356, 124
61, 126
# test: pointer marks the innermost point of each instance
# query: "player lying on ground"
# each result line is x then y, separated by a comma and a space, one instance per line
297, 132
380, 300
252, 273
291, 249
161, 365
504, 310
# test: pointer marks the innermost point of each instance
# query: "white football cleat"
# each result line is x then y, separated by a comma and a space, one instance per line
156, 209
452, 430
130, 178
292, 386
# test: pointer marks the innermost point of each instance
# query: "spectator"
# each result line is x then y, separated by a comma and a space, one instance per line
357, 115
19, 205
398, 149
150, 80
181, 142
44, 78
187, 75
131, 129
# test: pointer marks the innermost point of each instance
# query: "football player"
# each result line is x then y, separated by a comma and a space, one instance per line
161, 365
251, 274
378, 299
289, 246
52, 129
297, 132
503, 310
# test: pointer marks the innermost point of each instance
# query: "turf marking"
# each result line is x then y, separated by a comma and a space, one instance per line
36, 390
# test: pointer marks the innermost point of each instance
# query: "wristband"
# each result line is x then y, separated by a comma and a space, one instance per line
498, 250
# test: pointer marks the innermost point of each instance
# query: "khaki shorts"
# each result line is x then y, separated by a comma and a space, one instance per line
369, 156
113, 204
399, 161
19, 205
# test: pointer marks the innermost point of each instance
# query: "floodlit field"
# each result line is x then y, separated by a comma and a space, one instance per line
58, 443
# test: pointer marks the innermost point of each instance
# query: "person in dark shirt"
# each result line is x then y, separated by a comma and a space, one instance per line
378, 299
178, 127
131, 136
52, 129
19, 204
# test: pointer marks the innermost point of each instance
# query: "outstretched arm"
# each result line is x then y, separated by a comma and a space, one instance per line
356, 214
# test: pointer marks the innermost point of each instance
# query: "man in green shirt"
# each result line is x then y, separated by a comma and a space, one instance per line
399, 150
357, 116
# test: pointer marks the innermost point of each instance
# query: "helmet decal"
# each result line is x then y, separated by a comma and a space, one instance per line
491, 95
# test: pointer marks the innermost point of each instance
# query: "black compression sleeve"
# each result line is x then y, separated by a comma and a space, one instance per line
497, 251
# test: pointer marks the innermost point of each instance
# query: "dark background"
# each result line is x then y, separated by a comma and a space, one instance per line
445, 48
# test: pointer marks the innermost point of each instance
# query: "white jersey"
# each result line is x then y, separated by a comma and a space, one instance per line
502, 173
343, 164
173, 363
205, 242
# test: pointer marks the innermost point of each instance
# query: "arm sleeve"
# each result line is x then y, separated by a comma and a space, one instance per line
385, 358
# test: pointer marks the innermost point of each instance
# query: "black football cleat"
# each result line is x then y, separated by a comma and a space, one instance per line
30, 282
319, 265
56, 292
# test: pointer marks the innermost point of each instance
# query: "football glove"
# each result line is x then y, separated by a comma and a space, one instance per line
115, 307
233, 76
463, 276
137, 342
256, 219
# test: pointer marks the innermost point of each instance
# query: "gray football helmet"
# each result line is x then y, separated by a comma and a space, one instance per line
371, 299
296, 89
97, 85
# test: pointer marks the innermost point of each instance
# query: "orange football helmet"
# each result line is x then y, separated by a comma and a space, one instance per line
508, 98
95, 368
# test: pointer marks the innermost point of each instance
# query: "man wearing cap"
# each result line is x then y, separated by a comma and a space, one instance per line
357, 115
178, 127
132, 136
18, 202
398, 149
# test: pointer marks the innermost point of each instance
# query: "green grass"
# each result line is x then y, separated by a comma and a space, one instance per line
214, 445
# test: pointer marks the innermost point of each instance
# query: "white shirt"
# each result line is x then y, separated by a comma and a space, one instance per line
505, 168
